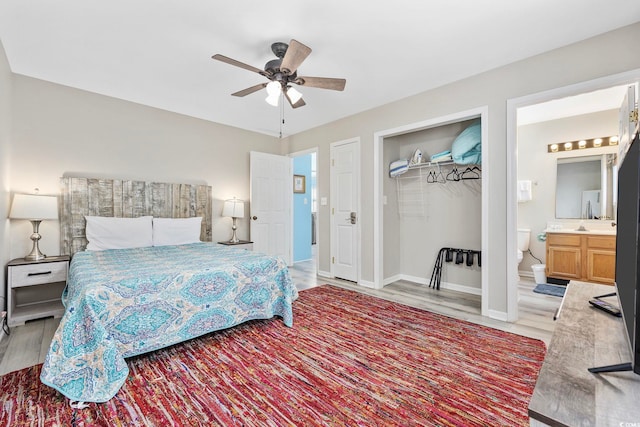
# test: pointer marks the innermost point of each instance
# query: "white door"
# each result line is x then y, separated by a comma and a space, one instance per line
628, 119
270, 217
345, 215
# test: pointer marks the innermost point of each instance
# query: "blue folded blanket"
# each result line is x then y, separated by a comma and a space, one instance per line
467, 147
446, 153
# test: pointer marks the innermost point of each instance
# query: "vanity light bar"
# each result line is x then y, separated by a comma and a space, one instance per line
583, 143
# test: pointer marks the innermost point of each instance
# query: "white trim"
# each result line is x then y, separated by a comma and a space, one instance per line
357, 176
298, 154
366, 284
397, 277
325, 274
498, 315
423, 281
378, 169
461, 288
513, 104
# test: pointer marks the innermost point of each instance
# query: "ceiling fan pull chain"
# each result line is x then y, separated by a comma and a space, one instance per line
281, 113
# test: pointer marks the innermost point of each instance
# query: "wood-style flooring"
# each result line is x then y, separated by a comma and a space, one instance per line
28, 345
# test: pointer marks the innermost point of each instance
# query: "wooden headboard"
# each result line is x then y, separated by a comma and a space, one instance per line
127, 199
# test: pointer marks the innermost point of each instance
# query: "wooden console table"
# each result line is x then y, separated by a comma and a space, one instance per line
566, 394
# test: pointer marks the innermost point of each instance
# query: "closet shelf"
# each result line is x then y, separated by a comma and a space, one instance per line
431, 164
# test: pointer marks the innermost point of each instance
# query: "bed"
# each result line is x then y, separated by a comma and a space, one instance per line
121, 303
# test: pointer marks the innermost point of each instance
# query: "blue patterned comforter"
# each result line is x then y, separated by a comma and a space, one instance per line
122, 303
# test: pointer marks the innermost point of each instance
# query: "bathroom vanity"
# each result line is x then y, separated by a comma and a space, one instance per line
588, 256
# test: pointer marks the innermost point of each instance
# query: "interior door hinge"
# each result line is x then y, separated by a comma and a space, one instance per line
333, 211
633, 116
333, 260
333, 162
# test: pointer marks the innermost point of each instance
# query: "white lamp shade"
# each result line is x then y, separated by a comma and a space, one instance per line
33, 206
273, 90
293, 95
233, 208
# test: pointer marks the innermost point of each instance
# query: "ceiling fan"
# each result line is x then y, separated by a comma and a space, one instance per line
282, 72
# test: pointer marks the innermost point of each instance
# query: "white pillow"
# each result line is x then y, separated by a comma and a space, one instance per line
176, 231
118, 233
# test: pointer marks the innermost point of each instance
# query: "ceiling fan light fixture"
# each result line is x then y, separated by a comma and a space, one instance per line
273, 93
273, 89
272, 100
293, 95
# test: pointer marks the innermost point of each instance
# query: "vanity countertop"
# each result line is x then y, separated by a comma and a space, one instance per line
606, 232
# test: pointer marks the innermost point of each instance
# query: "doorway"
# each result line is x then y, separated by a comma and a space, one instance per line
380, 169
515, 107
305, 208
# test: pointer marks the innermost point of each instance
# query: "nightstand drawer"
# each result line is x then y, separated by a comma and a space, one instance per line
35, 274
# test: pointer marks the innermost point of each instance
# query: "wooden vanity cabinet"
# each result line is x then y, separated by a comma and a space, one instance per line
584, 257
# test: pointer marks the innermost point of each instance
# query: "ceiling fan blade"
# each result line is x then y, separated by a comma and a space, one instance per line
300, 102
322, 82
296, 53
250, 90
237, 63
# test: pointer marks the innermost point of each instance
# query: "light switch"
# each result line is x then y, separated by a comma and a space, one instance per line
306, 201
384, 200
323, 201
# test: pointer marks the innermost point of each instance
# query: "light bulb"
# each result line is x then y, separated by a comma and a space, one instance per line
273, 99
568, 146
293, 94
273, 88
613, 140
582, 144
597, 142
554, 147
273, 93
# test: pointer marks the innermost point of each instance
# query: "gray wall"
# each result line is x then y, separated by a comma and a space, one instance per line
605, 55
539, 166
74, 132
5, 134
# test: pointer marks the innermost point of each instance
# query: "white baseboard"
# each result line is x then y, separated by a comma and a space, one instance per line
525, 273
367, 284
443, 285
498, 315
390, 280
326, 274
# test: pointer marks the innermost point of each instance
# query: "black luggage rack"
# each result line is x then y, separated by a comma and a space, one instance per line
457, 255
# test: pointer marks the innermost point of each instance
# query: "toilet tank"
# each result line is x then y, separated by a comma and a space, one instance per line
524, 235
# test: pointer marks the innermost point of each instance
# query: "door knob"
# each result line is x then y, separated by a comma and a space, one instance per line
254, 217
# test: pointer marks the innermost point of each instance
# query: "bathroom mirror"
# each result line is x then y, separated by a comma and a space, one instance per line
586, 187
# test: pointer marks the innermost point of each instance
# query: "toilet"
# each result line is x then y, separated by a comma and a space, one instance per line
523, 242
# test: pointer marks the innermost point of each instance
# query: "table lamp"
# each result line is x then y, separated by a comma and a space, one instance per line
235, 209
35, 208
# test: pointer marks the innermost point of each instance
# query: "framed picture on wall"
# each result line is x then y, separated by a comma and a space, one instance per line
299, 185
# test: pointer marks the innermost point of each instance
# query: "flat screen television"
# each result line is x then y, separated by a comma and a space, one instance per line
628, 255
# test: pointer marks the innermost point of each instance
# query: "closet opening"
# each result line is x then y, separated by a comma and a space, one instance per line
430, 219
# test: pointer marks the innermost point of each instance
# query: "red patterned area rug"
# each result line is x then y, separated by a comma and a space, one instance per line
350, 360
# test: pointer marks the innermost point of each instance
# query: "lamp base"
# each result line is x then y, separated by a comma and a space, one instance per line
234, 238
35, 254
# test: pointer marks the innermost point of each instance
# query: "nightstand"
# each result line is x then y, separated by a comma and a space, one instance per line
34, 288
242, 244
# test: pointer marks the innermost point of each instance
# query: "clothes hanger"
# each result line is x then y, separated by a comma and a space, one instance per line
469, 173
453, 175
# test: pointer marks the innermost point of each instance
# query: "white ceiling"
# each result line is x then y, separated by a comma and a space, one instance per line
158, 53
599, 100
